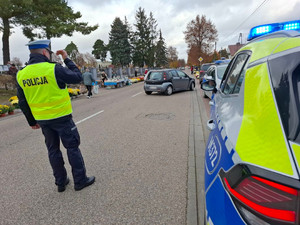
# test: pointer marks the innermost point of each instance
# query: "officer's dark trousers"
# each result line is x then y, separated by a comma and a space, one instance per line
67, 132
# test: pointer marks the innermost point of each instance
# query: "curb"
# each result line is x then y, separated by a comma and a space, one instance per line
197, 142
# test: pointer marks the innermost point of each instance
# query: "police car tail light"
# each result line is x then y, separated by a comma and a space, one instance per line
268, 200
273, 27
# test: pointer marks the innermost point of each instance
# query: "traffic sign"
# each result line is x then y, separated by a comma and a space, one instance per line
200, 59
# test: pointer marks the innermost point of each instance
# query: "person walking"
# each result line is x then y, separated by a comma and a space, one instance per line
88, 81
13, 72
103, 77
45, 102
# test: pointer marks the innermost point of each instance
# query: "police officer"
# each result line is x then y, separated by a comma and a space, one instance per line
45, 102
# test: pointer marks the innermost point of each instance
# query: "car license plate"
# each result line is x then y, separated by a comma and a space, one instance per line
153, 88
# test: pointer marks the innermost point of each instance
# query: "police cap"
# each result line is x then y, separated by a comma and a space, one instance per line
38, 44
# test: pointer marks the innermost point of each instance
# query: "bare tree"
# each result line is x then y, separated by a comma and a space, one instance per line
17, 61
90, 60
79, 59
200, 35
172, 56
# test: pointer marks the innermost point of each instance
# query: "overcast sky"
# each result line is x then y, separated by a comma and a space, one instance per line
231, 17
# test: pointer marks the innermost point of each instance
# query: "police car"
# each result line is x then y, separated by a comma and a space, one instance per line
252, 158
215, 72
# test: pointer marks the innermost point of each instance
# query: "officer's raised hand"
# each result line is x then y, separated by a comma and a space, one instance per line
63, 54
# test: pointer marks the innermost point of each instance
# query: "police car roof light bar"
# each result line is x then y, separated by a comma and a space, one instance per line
261, 30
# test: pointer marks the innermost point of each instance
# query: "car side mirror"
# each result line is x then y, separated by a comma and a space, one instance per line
208, 85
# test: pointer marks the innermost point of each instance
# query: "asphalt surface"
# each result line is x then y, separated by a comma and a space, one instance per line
145, 151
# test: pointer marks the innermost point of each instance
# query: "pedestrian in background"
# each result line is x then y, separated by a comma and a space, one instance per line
44, 99
12, 70
103, 77
192, 70
88, 82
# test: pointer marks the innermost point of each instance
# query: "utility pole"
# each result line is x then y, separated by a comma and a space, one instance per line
240, 38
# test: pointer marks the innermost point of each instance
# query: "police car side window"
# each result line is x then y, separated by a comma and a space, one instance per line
239, 81
233, 83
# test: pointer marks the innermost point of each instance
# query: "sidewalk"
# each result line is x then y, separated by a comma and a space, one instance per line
197, 141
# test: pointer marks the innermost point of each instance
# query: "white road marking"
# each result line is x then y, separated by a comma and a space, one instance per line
136, 94
89, 117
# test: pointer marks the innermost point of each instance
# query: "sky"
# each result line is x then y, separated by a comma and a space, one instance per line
230, 17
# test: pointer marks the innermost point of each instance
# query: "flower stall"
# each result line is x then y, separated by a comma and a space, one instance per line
74, 92
3, 110
114, 83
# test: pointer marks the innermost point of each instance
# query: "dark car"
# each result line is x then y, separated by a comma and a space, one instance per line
168, 81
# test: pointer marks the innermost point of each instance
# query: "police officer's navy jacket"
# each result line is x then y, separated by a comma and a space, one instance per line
63, 76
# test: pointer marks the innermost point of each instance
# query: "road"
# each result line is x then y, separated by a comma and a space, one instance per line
139, 147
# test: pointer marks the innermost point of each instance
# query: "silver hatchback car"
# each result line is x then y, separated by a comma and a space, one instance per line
168, 81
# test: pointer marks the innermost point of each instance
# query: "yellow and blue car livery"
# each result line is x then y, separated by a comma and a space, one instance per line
252, 158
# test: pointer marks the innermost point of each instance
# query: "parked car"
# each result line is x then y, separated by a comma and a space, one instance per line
252, 157
203, 69
215, 73
168, 81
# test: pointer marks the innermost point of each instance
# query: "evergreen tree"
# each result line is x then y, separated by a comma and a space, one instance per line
129, 36
152, 41
119, 45
72, 50
141, 39
53, 18
161, 52
224, 53
100, 50
10, 11
71, 47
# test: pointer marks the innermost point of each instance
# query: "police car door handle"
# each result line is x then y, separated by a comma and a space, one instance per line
210, 125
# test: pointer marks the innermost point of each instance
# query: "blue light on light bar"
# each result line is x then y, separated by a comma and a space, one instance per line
262, 30
273, 27
292, 26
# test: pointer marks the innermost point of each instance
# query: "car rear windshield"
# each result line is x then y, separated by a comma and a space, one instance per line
205, 67
285, 76
156, 75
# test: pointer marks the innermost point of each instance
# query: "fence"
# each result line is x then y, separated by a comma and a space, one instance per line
3, 68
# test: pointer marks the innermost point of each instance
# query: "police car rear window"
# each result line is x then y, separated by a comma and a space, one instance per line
285, 77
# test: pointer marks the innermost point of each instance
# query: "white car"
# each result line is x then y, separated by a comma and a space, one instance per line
215, 73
